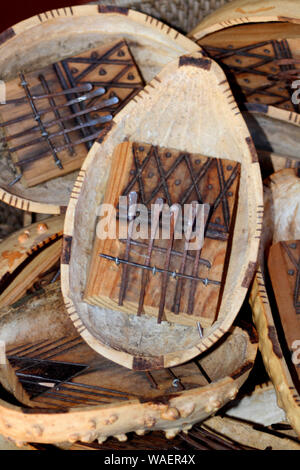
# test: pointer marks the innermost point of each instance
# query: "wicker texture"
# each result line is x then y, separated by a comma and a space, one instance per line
180, 14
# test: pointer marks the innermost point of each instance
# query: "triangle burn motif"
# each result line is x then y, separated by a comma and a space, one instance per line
258, 71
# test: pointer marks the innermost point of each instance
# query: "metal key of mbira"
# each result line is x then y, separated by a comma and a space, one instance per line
52, 116
261, 58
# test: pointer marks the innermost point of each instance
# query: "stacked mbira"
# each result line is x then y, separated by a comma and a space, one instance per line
75, 72
132, 133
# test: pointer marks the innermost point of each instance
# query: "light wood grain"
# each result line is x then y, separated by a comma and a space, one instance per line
23, 281
288, 397
16, 248
282, 223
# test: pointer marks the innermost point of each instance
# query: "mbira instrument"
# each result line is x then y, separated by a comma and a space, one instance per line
149, 302
51, 117
275, 133
179, 14
279, 436
258, 45
275, 292
27, 255
66, 392
78, 67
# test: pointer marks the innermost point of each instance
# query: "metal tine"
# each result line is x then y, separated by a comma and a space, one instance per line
174, 212
90, 123
65, 83
203, 211
93, 122
57, 149
102, 104
132, 208
100, 91
188, 233
56, 276
154, 226
80, 99
79, 89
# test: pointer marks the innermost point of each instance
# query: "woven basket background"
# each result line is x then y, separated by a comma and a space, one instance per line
181, 14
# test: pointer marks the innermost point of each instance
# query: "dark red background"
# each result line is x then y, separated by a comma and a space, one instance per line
13, 11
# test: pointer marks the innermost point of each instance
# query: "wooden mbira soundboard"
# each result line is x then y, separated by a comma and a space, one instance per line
154, 271
258, 46
53, 115
284, 269
26, 256
61, 390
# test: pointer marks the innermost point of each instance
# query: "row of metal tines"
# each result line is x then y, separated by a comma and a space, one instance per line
76, 97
